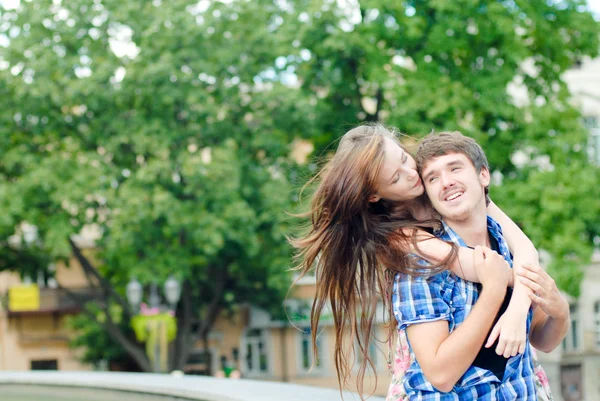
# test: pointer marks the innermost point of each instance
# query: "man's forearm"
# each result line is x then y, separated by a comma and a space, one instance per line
549, 332
456, 353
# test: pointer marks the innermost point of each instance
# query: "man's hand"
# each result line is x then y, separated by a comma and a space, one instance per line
544, 292
492, 269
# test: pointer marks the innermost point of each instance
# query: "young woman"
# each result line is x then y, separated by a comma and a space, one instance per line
369, 217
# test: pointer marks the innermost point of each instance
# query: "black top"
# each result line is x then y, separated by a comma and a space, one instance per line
487, 357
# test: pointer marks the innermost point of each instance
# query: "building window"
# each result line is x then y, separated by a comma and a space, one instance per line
256, 358
306, 355
597, 322
571, 340
198, 362
571, 382
45, 364
592, 123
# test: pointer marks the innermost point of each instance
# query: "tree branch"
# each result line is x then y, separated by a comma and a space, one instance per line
136, 352
90, 270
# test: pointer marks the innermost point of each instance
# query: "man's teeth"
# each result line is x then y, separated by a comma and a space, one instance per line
454, 196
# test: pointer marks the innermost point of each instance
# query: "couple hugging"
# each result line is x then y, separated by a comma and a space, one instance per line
421, 234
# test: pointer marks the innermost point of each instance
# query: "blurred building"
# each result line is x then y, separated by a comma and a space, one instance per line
583, 81
574, 368
265, 348
33, 330
282, 350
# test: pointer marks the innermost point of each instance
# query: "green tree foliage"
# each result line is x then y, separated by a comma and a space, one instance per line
168, 126
149, 123
490, 69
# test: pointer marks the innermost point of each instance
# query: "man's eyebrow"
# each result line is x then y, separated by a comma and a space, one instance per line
429, 174
455, 163
449, 164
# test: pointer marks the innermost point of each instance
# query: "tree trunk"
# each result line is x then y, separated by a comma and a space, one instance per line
207, 355
184, 341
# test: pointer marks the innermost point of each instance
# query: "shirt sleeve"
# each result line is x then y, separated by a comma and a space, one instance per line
420, 299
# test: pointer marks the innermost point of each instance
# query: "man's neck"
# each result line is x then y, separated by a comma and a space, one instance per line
473, 230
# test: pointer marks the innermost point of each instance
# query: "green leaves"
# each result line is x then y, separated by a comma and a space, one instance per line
168, 130
489, 69
145, 127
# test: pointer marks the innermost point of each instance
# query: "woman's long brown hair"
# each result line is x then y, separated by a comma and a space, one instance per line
356, 247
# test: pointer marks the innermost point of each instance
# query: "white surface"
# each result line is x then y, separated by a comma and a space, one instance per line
190, 387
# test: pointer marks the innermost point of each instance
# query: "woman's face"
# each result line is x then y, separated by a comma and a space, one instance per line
398, 179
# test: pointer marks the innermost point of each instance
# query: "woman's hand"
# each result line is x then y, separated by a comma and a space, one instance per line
511, 332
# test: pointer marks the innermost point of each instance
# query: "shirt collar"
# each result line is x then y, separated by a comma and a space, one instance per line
448, 234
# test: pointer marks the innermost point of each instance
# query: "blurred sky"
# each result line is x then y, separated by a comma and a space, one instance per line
595, 7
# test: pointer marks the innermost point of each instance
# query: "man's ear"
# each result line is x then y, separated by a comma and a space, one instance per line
374, 198
484, 177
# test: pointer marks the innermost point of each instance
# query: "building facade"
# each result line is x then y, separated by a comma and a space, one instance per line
574, 368
33, 330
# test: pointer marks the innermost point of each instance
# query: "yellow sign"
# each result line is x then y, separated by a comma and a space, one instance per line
24, 298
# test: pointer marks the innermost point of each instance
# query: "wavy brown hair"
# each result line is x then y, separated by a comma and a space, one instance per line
356, 247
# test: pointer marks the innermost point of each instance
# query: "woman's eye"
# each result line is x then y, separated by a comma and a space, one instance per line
396, 179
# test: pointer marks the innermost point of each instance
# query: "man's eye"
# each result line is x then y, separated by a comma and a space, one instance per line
404, 158
432, 179
455, 168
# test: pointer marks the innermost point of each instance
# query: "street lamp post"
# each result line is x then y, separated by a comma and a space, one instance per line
155, 324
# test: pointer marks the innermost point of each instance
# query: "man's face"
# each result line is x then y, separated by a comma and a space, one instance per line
454, 186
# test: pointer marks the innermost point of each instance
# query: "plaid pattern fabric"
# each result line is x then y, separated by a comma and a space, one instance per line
447, 297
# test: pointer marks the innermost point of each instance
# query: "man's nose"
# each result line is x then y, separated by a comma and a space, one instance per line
446, 180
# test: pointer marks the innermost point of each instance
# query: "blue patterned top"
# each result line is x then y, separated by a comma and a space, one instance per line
445, 296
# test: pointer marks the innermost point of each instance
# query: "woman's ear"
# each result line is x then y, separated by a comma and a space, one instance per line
374, 198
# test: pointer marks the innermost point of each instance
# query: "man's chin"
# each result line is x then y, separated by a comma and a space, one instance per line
454, 214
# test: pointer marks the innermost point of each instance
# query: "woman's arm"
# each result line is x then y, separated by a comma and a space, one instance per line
434, 250
520, 245
524, 253
510, 328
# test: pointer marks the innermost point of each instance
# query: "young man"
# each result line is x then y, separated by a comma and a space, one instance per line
447, 319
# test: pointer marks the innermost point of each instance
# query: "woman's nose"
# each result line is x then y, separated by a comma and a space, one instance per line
411, 173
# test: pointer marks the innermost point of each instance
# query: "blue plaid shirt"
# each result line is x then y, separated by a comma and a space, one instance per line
445, 296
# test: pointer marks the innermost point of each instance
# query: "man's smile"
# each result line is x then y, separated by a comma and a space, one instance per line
453, 195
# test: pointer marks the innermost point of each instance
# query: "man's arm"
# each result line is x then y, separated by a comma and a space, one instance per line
445, 357
547, 332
